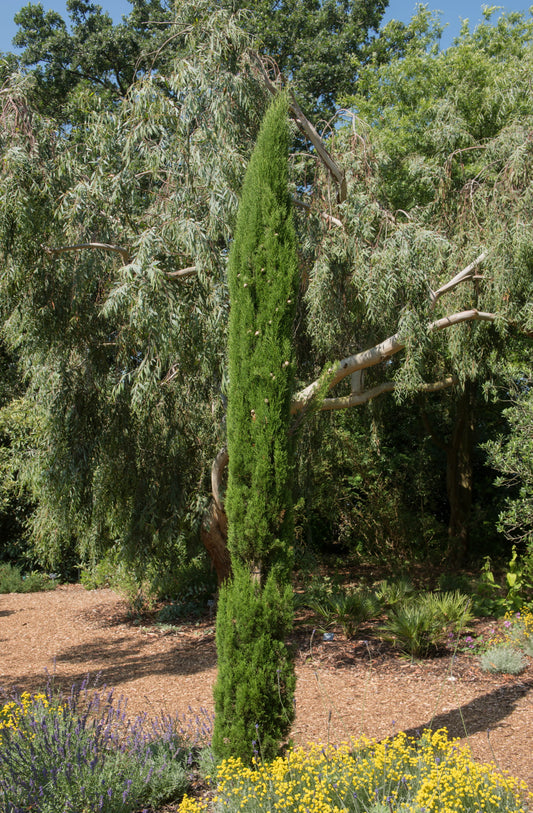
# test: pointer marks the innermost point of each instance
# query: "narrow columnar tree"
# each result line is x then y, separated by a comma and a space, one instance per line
254, 692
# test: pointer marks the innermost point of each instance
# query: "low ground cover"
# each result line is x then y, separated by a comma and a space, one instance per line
431, 774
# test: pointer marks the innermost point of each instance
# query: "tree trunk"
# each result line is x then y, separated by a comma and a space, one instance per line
459, 479
214, 536
214, 530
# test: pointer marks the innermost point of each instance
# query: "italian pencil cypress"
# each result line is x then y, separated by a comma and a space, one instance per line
255, 686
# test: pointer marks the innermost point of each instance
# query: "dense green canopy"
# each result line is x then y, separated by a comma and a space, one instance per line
114, 236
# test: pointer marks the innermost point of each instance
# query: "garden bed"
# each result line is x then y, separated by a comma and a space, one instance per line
344, 689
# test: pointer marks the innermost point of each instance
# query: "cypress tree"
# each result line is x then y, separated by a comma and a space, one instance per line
255, 687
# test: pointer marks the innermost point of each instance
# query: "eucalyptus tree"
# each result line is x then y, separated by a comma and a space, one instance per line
114, 241
432, 245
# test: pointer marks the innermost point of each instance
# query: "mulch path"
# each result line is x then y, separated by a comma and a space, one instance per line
345, 688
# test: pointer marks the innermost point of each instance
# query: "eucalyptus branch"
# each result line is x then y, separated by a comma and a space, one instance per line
324, 215
358, 398
381, 352
124, 252
463, 276
305, 127
183, 273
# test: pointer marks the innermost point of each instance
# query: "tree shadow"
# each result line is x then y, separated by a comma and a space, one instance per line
480, 714
120, 661
6, 612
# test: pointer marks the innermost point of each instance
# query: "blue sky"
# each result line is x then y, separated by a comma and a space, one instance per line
452, 12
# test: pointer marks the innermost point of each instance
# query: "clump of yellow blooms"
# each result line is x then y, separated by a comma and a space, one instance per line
13, 713
517, 629
433, 774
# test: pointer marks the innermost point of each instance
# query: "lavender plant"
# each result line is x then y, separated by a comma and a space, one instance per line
82, 753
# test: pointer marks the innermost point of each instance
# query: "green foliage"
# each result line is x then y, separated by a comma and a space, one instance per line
519, 629
392, 593
12, 580
109, 571
368, 488
496, 597
436, 174
512, 456
89, 53
262, 281
318, 46
195, 599
88, 56
421, 625
503, 659
255, 684
123, 365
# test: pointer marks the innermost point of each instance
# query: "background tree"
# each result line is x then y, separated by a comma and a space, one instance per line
255, 684
310, 41
90, 52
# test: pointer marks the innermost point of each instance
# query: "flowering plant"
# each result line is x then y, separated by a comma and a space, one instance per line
433, 774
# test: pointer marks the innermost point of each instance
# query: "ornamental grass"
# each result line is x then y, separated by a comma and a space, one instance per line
433, 774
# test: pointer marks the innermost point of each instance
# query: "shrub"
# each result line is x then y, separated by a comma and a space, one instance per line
13, 581
503, 658
255, 685
392, 593
81, 753
420, 625
400, 774
518, 630
347, 608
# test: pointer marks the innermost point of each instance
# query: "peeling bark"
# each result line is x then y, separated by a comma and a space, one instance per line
214, 530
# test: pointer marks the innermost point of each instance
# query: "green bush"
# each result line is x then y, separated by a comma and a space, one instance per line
347, 608
392, 593
254, 692
13, 581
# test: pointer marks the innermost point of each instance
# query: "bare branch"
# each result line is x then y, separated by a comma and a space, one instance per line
464, 275
305, 127
472, 315
324, 215
380, 352
125, 254
183, 273
358, 398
